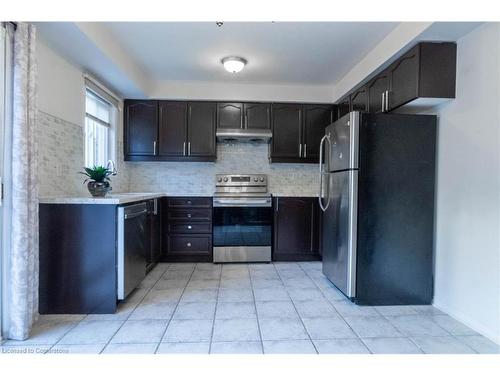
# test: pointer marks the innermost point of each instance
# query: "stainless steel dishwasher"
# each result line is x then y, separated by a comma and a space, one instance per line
131, 257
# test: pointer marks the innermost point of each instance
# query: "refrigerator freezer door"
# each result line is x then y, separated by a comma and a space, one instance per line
339, 231
342, 150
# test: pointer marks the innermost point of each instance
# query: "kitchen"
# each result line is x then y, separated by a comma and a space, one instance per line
251, 217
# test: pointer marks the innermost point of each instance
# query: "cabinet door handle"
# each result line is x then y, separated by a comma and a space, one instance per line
277, 204
188, 215
189, 148
383, 102
184, 149
387, 101
305, 150
154, 147
300, 150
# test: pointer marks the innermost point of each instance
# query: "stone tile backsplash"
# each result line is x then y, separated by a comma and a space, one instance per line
199, 178
61, 157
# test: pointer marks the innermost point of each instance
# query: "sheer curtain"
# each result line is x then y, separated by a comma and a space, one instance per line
22, 281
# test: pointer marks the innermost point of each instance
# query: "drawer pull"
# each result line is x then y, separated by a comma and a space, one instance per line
190, 227
188, 202
189, 244
188, 215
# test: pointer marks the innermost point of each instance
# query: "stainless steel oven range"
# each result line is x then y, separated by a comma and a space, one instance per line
243, 219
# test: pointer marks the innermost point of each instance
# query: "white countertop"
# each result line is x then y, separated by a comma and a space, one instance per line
117, 198
123, 198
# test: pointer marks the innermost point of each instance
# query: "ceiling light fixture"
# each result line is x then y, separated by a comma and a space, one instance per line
233, 64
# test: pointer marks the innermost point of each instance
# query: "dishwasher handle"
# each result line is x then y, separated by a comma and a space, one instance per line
135, 210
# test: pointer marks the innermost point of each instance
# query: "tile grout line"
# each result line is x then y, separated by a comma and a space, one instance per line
338, 313
175, 309
295, 307
135, 307
255, 309
215, 311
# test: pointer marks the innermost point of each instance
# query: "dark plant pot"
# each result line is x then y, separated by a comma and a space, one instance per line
98, 189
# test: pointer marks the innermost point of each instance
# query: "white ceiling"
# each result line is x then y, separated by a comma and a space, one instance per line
305, 53
290, 61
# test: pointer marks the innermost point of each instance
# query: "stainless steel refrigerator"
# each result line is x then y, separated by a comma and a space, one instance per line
377, 174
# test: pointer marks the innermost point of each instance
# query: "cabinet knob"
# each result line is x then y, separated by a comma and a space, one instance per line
190, 227
188, 215
189, 244
188, 202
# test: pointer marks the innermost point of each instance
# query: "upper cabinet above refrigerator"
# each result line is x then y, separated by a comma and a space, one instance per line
421, 78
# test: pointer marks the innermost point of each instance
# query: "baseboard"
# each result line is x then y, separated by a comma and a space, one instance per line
464, 319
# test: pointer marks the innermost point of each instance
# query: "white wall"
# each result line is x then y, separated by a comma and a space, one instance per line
61, 105
467, 261
240, 91
60, 86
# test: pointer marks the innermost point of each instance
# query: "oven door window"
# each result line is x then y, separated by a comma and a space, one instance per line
242, 226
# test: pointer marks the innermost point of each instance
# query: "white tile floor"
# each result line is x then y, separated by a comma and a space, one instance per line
255, 308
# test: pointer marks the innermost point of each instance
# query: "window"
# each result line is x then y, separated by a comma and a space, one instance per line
99, 117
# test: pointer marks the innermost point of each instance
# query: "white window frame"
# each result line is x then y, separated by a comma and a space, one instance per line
101, 91
111, 155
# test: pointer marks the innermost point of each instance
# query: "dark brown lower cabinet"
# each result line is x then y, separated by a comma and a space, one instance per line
297, 223
187, 229
77, 259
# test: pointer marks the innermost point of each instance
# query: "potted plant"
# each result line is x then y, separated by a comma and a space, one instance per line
98, 180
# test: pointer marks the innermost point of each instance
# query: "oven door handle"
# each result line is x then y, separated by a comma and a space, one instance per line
242, 202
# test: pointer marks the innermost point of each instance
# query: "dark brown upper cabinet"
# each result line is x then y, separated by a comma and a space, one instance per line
427, 71
297, 131
343, 107
230, 115
244, 115
377, 91
297, 229
316, 118
286, 144
201, 130
359, 100
141, 128
172, 129
423, 76
257, 115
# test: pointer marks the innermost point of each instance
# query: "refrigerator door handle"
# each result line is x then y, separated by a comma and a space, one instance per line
321, 173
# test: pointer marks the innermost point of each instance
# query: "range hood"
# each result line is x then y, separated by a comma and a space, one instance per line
244, 135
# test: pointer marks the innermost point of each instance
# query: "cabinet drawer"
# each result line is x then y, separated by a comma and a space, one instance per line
189, 214
189, 227
196, 202
190, 244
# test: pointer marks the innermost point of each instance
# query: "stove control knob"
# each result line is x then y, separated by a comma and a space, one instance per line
261, 179
219, 179
225, 179
255, 179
